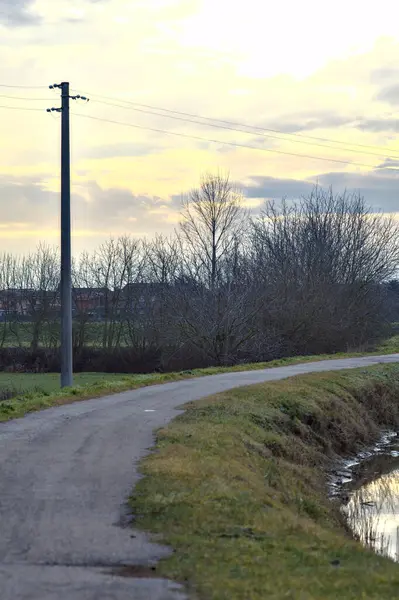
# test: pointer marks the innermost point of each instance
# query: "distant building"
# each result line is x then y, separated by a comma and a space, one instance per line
140, 298
90, 300
16, 301
26, 302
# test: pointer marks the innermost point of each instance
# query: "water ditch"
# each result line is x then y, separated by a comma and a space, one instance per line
367, 487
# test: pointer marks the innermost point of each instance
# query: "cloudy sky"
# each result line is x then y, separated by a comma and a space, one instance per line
326, 72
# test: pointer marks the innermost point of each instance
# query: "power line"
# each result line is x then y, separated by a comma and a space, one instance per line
230, 125
24, 87
22, 108
203, 139
226, 127
236, 123
25, 98
235, 144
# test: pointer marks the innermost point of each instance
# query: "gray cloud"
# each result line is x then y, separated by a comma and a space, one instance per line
380, 188
26, 199
272, 187
306, 122
381, 191
30, 205
384, 74
114, 208
389, 166
17, 13
378, 125
301, 123
390, 162
389, 94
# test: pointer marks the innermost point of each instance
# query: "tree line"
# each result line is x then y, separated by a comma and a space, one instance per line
315, 275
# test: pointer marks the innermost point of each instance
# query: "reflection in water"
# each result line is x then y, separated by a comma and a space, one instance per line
373, 514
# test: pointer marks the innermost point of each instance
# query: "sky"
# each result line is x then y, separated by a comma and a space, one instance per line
314, 86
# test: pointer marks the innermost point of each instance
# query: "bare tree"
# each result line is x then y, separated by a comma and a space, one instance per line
39, 282
325, 258
212, 219
9, 279
163, 267
115, 267
213, 312
307, 276
162, 259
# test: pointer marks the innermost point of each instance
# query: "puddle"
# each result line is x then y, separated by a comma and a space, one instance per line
368, 487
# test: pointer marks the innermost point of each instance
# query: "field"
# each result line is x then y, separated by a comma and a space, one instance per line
47, 383
21, 334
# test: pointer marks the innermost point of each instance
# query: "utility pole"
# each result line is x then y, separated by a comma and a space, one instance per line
66, 254
66, 268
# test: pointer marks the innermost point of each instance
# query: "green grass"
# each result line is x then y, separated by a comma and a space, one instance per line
21, 333
49, 382
40, 391
389, 346
237, 487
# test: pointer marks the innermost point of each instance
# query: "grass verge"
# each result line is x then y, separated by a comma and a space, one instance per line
40, 394
21, 393
237, 487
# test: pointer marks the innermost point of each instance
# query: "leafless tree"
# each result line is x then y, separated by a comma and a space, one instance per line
114, 268
325, 257
162, 259
306, 276
213, 312
212, 219
9, 279
39, 280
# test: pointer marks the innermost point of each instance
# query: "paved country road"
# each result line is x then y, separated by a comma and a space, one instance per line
65, 475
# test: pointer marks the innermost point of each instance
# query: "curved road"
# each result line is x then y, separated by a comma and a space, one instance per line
65, 474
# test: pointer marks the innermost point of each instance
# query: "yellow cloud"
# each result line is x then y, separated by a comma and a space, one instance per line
256, 66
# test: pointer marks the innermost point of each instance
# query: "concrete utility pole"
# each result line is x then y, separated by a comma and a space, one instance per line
66, 255
66, 269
